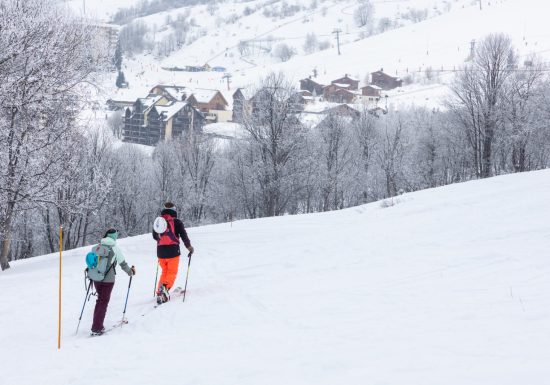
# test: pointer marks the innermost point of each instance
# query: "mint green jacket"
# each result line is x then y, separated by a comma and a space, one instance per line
117, 259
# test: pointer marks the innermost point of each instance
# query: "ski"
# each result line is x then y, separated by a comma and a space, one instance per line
107, 330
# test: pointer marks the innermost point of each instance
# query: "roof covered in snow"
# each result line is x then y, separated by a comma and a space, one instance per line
170, 110
247, 92
179, 93
150, 100
203, 95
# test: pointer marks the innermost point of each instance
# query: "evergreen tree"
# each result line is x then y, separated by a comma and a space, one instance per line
120, 80
117, 59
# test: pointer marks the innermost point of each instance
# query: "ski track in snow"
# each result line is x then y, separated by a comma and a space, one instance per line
450, 285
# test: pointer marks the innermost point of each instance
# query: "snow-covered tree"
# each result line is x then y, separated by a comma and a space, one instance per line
45, 56
283, 52
311, 44
479, 98
275, 136
364, 15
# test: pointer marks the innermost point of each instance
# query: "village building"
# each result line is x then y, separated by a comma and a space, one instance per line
312, 86
212, 104
343, 110
371, 92
347, 82
316, 116
172, 93
307, 97
337, 93
385, 81
242, 106
108, 33
155, 118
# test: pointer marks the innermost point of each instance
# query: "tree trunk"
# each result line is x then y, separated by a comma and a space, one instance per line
7, 231
486, 161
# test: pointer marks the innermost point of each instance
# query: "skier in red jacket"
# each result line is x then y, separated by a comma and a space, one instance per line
168, 250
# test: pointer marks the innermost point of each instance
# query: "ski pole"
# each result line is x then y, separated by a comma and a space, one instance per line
156, 278
83, 305
187, 276
124, 321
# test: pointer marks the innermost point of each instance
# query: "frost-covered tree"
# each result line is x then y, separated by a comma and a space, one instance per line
131, 205
335, 152
392, 152
283, 52
275, 136
81, 191
523, 115
117, 58
133, 38
311, 44
478, 98
364, 15
46, 55
365, 130
196, 157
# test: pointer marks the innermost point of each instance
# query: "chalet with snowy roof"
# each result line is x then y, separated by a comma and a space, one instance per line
307, 97
385, 81
206, 100
337, 93
343, 110
172, 93
212, 103
155, 118
347, 82
312, 86
371, 92
315, 118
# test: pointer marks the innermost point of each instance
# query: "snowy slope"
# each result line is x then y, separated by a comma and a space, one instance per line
442, 42
448, 286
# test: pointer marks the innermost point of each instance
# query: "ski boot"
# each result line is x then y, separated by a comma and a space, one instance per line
162, 295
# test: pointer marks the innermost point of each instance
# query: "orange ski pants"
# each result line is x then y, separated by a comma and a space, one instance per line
169, 268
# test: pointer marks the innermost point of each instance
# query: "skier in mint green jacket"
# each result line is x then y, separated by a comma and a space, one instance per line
105, 286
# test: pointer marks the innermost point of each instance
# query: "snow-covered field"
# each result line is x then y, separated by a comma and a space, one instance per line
447, 286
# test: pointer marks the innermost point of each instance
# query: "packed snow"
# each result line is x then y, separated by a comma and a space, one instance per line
443, 286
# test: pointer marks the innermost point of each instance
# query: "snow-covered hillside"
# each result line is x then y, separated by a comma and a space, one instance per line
439, 44
443, 286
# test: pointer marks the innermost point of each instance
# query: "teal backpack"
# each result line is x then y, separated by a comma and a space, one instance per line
99, 262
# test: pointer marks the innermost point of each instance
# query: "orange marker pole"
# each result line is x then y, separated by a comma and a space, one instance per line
60, 271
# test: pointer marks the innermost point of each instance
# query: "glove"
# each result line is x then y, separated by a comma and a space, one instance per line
191, 250
133, 270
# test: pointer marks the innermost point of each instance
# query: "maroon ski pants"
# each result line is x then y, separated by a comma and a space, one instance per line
103, 290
